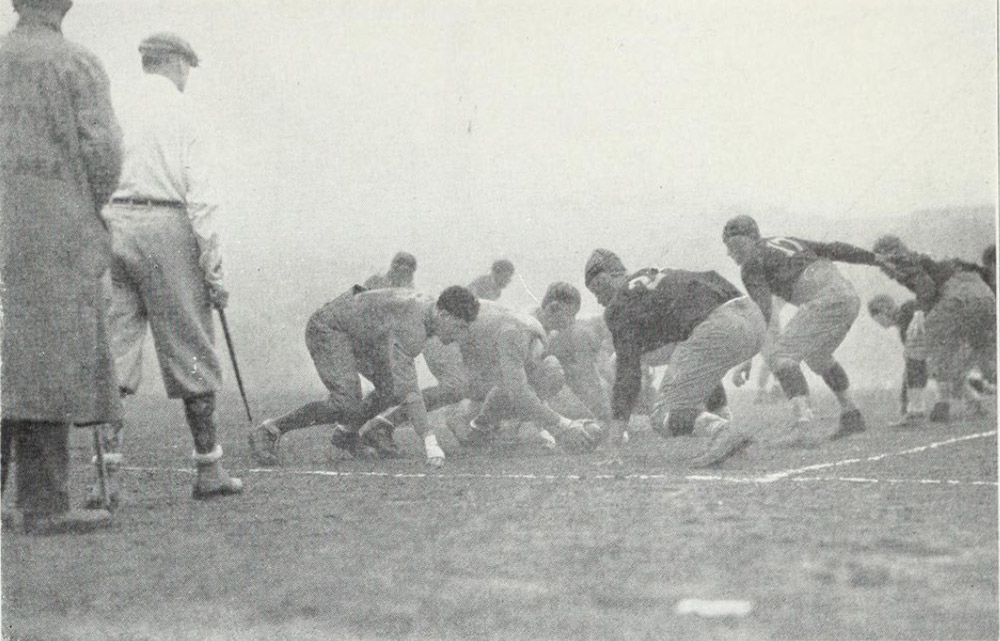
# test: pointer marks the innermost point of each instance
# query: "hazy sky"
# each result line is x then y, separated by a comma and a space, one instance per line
463, 130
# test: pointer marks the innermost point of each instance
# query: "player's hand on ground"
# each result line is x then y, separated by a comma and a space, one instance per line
741, 374
218, 297
581, 435
435, 455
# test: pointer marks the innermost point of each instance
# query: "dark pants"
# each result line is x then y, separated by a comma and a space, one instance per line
42, 454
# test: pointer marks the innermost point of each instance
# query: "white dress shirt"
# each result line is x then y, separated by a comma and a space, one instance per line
166, 158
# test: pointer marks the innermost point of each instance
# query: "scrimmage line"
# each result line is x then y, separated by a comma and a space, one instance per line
791, 474
578, 477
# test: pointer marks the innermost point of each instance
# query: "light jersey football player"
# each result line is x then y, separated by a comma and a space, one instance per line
802, 273
508, 376
715, 328
578, 345
511, 376
376, 334
954, 326
885, 312
490, 286
400, 274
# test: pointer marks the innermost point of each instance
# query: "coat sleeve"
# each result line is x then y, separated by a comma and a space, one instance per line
97, 128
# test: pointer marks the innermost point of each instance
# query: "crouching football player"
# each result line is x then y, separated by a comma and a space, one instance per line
954, 326
715, 328
376, 334
802, 273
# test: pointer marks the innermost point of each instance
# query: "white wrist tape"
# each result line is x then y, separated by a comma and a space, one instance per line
431, 446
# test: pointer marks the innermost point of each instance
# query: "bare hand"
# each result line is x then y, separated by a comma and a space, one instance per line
218, 297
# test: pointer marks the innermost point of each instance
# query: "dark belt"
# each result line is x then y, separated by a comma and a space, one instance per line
147, 202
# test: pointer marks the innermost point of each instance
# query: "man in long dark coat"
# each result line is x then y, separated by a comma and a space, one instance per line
60, 152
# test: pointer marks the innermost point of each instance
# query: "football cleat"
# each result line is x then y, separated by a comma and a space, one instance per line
376, 435
941, 412
344, 439
851, 422
726, 442
264, 443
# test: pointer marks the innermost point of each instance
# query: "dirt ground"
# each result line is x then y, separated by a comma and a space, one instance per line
835, 541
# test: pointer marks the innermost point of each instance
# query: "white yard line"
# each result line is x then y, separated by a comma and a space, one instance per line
778, 476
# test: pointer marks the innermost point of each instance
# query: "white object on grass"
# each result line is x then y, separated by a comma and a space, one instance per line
713, 608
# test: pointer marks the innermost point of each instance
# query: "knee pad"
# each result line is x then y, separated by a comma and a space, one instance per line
836, 378
793, 381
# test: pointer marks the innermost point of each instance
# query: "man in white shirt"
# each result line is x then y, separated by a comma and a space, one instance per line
167, 269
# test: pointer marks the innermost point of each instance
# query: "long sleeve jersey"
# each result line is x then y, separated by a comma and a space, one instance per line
778, 262
656, 307
925, 276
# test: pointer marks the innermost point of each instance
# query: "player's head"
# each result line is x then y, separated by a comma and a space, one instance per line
883, 310
603, 274
457, 307
401, 269
889, 245
503, 271
559, 306
740, 235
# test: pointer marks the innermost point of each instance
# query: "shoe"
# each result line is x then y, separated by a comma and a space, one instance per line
851, 422
940, 413
95, 501
212, 479
477, 436
344, 439
726, 442
376, 435
69, 522
910, 420
264, 443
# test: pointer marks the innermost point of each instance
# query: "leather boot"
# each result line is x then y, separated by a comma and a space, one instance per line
212, 480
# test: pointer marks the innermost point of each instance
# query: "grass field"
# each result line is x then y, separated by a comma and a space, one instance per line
888, 535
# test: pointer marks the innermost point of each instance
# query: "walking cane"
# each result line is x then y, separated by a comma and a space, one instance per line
102, 470
236, 368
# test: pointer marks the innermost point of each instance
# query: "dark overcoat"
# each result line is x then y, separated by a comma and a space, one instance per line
60, 158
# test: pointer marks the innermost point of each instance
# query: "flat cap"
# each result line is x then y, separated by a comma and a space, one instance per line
741, 226
602, 260
165, 42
